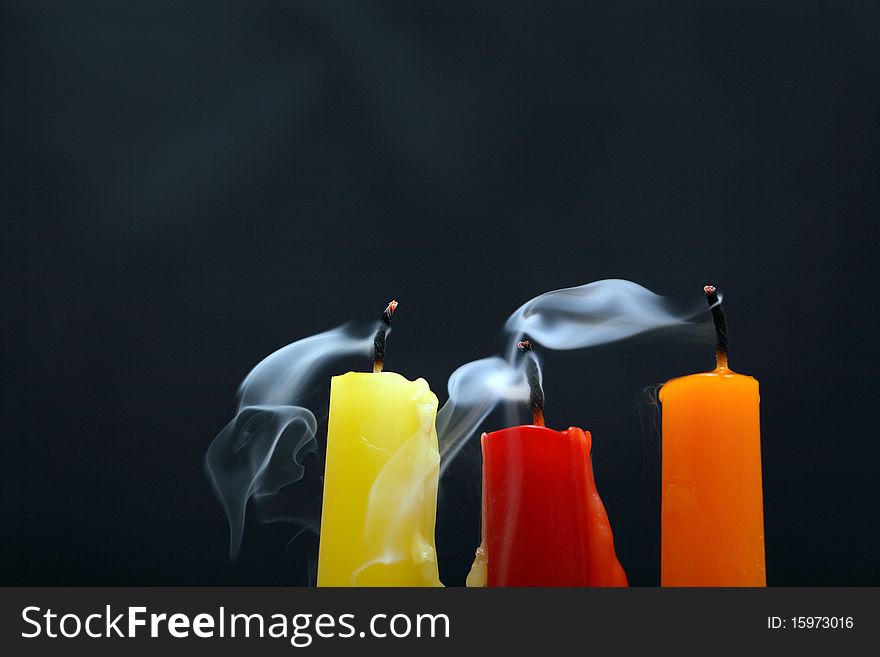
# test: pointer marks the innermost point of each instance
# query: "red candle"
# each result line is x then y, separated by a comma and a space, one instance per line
544, 523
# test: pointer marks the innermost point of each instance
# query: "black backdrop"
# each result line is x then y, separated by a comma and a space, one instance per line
188, 186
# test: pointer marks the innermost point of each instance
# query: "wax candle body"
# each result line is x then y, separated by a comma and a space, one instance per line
544, 523
380, 483
712, 525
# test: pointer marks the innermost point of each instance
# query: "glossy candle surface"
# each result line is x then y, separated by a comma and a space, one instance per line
544, 523
380, 483
712, 525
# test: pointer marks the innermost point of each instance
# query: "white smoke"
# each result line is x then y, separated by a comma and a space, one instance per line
589, 315
475, 390
262, 449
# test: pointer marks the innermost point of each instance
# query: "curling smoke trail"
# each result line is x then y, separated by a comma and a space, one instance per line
593, 314
262, 449
475, 390
588, 315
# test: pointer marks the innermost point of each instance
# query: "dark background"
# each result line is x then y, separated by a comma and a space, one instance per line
188, 186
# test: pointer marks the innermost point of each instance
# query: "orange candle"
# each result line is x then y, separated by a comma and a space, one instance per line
712, 524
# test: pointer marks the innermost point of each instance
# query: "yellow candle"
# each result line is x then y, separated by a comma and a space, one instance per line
380, 483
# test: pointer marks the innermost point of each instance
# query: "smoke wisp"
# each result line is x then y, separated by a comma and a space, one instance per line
262, 449
579, 317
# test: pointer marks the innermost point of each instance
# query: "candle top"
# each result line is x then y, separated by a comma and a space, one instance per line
536, 432
385, 375
720, 376
536, 427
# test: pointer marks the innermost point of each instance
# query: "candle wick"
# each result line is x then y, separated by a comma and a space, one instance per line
379, 339
721, 349
533, 376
